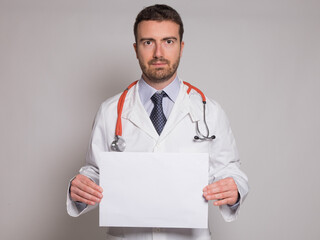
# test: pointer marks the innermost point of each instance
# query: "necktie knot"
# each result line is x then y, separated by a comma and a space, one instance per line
157, 116
157, 98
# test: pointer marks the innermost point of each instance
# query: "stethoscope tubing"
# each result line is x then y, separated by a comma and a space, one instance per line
119, 144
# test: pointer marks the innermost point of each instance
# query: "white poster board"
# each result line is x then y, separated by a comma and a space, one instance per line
153, 189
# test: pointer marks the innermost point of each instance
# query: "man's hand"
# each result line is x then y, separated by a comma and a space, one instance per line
224, 191
84, 190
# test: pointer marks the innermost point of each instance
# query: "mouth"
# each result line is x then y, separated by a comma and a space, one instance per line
159, 64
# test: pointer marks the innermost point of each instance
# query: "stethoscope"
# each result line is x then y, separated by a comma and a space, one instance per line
119, 143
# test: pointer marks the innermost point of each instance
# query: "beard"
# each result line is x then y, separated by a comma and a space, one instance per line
161, 74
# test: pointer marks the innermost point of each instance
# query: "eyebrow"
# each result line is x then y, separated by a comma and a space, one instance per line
168, 38
152, 39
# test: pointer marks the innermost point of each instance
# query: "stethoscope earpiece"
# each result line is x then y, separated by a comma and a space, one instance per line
197, 138
200, 136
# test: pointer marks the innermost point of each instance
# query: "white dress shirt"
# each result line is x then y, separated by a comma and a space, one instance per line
146, 92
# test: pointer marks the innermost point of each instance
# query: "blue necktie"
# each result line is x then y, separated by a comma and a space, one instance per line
157, 116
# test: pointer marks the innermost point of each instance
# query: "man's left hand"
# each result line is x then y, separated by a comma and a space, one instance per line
224, 191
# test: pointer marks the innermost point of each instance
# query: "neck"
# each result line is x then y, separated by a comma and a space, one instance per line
159, 85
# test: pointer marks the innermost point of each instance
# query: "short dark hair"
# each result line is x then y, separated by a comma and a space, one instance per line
159, 12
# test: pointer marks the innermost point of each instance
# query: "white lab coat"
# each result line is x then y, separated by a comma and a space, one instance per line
177, 136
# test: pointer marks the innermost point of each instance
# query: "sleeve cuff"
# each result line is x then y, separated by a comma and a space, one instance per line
236, 205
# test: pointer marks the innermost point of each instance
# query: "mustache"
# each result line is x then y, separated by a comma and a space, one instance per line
159, 60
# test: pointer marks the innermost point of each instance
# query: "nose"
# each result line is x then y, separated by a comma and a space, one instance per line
158, 53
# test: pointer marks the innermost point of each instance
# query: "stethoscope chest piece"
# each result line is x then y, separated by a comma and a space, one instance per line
118, 144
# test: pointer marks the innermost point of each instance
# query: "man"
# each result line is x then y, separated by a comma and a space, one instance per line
158, 33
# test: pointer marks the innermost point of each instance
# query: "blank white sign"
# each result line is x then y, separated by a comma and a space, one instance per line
153, 189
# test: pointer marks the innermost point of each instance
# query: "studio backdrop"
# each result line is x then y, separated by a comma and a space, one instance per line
259, 59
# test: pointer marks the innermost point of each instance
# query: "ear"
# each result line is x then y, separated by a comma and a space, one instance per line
181, 48
135, 49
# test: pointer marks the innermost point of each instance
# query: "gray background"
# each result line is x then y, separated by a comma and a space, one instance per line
60, 59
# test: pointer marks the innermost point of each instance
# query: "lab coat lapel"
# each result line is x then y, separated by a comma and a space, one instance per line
182, 108
135, 112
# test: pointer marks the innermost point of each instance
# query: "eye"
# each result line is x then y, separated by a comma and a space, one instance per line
169, 41
147, 43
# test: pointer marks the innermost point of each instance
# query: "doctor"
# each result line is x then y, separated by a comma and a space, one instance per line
146, 127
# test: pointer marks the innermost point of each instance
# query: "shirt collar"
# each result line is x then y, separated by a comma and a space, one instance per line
146, 91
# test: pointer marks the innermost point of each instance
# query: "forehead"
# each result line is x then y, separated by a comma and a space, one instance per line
157, 29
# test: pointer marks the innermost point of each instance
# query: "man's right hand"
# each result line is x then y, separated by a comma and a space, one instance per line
85, 190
